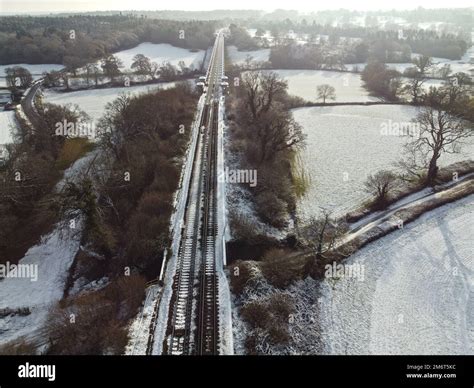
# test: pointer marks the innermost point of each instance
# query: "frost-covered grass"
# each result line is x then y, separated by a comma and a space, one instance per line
160, 53
303, 83
344, 145
414, 295
7, 124
238, 57
302, 324
417, 296
93, 101
53, 256
461, 65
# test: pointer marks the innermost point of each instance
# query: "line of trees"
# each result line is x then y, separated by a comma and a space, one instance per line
129, 216
18, 77
444, 120
372, 40
126, 218
80, 39
35, 164
111, 67
267, 136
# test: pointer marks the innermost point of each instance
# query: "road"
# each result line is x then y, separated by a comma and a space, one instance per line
29, 107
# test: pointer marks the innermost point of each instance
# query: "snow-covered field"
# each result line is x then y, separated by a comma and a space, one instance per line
52, 257
344, 145
93, 101
238, 57
303, 83
7, 124
160, 53
417, 295
461, 65
35, 70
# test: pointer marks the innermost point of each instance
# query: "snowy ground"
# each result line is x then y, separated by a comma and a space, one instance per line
93, 101
354, 135
7, 124
238, 57
52, 256
417, 296
303, 83
140, 327
35, 70
461, 65
160, 53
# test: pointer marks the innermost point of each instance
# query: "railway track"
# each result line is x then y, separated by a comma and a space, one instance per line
193, 325
207, 329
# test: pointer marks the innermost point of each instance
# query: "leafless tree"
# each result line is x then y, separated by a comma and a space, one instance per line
323, 235
379, 185
423, 63
277, 131
326, 91
414, 86
111, 124
261, 90
441, 130
144, 66
248, 61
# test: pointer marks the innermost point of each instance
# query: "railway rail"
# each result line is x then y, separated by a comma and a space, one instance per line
193, 323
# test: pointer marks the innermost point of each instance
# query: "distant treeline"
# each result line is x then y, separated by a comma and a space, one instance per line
458, 17
81, 39
218, 14
322, 55
427, 42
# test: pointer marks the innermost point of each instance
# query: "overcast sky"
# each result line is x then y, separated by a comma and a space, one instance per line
35, 6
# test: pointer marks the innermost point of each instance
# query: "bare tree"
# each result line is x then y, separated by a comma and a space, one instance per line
323, 236
326, 92
94, 70
111, 66
414, 86
111, 124
423, 63
277, 131
261, 90
248, 61
379, 185
441, 130
18, 76
445, 71
144, 66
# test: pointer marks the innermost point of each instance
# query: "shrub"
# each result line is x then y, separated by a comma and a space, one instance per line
95, 322
239, 279
19, 347
271, 208
380, 185
72, 150
277, 270
281, 306
256, 314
